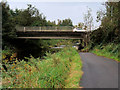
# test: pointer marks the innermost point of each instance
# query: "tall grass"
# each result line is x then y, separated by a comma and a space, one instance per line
110, 50
52, 72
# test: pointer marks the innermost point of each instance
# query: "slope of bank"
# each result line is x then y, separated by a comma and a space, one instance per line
110, 51
54, 71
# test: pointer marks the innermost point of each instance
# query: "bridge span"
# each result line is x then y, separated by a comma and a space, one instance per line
50, 33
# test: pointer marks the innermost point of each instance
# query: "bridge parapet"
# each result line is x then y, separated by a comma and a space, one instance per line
48, 28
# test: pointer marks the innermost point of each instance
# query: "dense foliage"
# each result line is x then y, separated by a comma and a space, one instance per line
110, 50
66, 22
109, 30
107, 37
51, 72
8, 28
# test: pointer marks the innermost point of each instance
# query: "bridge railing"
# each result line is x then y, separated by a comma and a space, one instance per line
44, 28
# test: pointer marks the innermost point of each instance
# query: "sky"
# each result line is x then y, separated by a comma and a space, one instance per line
59, 9
59, 0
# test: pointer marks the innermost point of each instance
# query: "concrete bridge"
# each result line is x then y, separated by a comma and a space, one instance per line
65, 32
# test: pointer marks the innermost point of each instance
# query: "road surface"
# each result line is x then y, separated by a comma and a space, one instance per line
99, 72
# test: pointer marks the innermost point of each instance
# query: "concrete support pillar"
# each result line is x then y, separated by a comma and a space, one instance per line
40, 28
55, 28
24, 29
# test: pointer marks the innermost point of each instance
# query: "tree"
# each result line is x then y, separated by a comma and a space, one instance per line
59, 22
110, 22
109, 30
49, 23
66, 22
88, 20
100, 15
29, 17
8, 28
80, 25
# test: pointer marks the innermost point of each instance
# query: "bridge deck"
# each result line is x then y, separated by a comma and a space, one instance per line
50, 34
44, 30
49, 38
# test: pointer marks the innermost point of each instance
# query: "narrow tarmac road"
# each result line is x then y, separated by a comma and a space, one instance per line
99, 72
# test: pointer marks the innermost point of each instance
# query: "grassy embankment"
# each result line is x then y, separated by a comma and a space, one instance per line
110, 51
59, 70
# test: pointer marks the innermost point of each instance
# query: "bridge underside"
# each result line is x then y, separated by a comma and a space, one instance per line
49, 38
51, 35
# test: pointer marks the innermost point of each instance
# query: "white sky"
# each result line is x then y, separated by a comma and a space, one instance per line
61, 0
56, 9
58, 0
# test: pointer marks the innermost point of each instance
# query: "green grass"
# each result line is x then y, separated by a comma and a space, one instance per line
75, 74
59, 70
110, 51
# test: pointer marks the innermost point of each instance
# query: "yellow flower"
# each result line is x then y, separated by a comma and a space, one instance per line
3, 56
13, 63
6, 60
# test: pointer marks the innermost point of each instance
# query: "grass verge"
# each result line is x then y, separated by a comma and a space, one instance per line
110, 51
59, 70
75, 75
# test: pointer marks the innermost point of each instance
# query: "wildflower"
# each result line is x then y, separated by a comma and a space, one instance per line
8, 81
3, 56
13, 63
10, 58
12, 67
14, 54
25, 68
25, 64
6, 60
